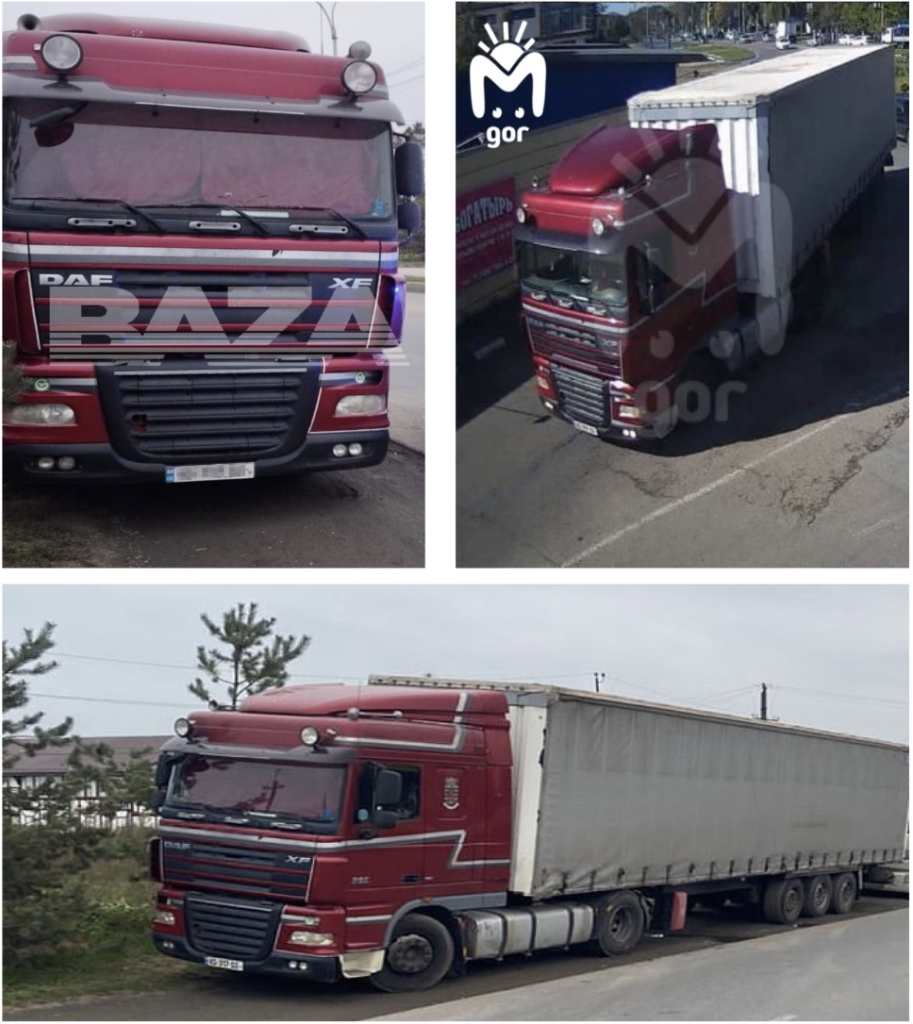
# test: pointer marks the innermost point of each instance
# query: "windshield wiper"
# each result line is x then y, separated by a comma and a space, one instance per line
116, 202
220, 206
58, 116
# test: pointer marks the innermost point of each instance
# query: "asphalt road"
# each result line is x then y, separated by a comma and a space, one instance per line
363, 518
811, 469
199, 994
851, 970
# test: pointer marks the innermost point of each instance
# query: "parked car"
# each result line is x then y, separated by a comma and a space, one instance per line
903, 117
786, 44
862, 40
845, 40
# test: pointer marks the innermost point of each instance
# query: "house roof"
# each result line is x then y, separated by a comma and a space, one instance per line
53, 760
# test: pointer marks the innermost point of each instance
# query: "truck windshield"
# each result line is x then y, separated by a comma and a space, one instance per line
258, 791
579, 276
166, 156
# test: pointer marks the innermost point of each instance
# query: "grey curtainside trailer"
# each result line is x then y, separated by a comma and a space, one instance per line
801, 137
616, 794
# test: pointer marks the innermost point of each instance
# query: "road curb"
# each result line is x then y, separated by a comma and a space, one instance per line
414, 285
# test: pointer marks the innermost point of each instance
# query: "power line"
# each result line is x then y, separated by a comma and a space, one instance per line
187, 668
399, 85
102, 700
405, 67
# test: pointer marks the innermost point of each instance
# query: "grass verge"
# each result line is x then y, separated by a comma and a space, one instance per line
116, 954
31, 540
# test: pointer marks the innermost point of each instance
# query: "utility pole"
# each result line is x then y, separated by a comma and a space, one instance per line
763, 702
331, 21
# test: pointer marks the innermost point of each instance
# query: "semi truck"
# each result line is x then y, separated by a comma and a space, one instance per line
660, 256
405, 829
200, 250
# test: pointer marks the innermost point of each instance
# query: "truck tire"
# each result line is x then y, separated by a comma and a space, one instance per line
818, 894
844, 893
419, 955
619, 924
783, 900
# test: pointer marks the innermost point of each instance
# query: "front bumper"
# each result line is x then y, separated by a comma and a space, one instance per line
626, 432
101, 462
309, 967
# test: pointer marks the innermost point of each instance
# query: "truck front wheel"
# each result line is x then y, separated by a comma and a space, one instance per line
844, 893
419, 955
619, 924
818, 893
783, 900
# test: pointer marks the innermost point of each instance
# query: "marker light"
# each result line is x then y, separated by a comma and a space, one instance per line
62, 53
44, 415
597, 226
359, 77
310, 736
182, 727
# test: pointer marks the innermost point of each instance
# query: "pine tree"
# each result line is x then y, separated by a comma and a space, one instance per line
256, 660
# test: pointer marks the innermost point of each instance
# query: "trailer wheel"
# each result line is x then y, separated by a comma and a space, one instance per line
783, 900
619, 924
844, 893
818, 894
419, 955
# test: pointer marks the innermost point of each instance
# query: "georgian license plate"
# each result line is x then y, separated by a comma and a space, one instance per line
585, 428
223, 471
226, 965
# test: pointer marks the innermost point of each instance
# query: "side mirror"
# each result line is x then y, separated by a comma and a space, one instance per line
384, 819
388, 788
54, 135
409, 218
409, 161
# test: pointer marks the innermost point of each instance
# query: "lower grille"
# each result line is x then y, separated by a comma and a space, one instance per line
581, 396
233, 929
204, 414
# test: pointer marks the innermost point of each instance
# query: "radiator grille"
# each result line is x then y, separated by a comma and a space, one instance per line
581, 396
208, 415
231, 928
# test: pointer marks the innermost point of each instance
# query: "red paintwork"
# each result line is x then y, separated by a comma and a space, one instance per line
645, 187
214, 62
367, 879
184, 57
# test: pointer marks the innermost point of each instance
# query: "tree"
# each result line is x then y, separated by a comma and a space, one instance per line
20, 664
252, 662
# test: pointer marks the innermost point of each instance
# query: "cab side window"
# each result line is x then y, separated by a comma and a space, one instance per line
409, 804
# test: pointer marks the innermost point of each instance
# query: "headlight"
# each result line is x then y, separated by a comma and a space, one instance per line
164, 917
359, 76
311, 938
361, 405
62, 53
45, 415
182, 727
310, 736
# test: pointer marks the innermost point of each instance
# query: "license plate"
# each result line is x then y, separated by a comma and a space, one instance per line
223, 471
226, 965
585, 428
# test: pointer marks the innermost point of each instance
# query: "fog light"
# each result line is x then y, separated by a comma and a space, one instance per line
359, 77
361, 405
550, 406
167, 945
311, 938
355, 449
45, 462
310, 736
164, 917
66, 462
54, 415
61, 53
598, 228
182, 727
339, 450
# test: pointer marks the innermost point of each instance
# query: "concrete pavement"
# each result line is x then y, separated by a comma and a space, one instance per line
849, 969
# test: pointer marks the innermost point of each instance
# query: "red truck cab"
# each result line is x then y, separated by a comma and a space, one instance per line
200, 251
627, 270
306, 834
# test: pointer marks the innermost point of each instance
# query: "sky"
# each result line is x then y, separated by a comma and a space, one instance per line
835, 657
396, 31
